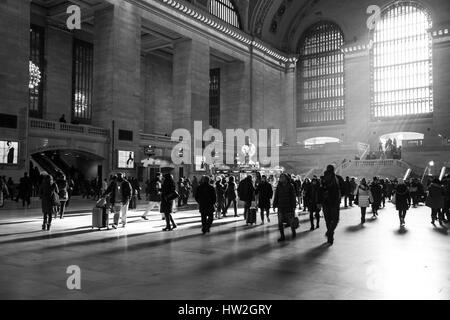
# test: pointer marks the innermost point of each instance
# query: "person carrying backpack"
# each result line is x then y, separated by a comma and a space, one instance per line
332, 185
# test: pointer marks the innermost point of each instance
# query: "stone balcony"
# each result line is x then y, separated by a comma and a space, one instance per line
39, 127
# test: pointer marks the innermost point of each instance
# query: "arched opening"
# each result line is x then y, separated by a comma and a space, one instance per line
316, 142
397, 138
81, 166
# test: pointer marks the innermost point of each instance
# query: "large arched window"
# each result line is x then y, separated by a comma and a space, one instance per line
401, 59
321, 76
225, 10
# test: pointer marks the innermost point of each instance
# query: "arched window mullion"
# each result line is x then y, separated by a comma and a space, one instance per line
225, 10
401, 63
321, 76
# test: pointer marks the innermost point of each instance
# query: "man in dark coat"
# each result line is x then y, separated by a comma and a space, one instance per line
246, 193
346, 191
265, 193
205, 195
285, 201
332, 185
377, 194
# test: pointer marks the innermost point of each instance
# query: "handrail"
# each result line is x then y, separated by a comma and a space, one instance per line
67, 127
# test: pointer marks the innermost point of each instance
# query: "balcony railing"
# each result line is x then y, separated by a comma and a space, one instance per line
69, 128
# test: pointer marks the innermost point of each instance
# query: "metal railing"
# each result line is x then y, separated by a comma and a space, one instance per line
66, 127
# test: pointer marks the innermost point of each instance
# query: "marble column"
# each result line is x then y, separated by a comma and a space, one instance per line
117, 62
14, 70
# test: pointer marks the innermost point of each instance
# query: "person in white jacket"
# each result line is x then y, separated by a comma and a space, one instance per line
363, 198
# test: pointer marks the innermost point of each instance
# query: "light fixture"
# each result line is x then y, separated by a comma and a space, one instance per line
80, 103
35, 75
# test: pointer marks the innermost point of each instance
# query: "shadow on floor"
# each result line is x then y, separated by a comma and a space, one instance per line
356, 228
442, 230
46, 235
19, 233
401, 231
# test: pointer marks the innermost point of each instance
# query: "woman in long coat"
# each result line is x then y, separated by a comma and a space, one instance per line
46, 192
364, 198
435, 201
168, 189
402, 201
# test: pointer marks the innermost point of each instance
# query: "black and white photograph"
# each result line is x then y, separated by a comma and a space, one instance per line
230, 157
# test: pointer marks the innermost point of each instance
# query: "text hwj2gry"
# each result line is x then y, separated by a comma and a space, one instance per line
226, 309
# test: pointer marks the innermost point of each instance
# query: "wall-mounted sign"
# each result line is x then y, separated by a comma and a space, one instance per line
125, 159
8, 151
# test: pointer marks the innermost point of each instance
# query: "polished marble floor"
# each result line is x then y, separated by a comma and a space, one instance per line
377, 261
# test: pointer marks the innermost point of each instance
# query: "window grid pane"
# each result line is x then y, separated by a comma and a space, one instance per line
322, 77
214, 98
226, 11
37, 58
83, 63
401, 61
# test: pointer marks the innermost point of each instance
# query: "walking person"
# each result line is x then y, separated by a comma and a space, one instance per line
414, 191
168, 196
246, 193
264, 192
4, 193
346, 191
331, 200
306, 184
377, 192
120, 195
205, 196
231, 195
435, 201
285, 202
48, 192
313, 195
402, 198
154, 195
353, 187
220, 197
363, 198
62, 184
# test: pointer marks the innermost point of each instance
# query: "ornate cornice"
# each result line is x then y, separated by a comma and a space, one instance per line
259, 48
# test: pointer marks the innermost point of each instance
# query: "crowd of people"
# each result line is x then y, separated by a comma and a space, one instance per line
214, 195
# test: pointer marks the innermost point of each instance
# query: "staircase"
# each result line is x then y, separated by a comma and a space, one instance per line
46, 164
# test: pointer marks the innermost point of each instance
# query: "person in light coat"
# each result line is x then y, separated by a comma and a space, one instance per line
363, 198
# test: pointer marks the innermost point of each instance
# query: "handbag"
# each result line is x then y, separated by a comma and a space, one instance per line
172, 196
394, 198
55, 199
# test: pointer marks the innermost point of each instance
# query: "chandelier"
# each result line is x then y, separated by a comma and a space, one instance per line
35, 76
80, 103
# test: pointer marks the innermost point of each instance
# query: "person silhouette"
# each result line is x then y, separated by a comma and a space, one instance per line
10, 156
130, 160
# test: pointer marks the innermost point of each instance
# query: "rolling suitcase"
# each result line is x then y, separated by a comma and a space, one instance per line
251, 217
100, 218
